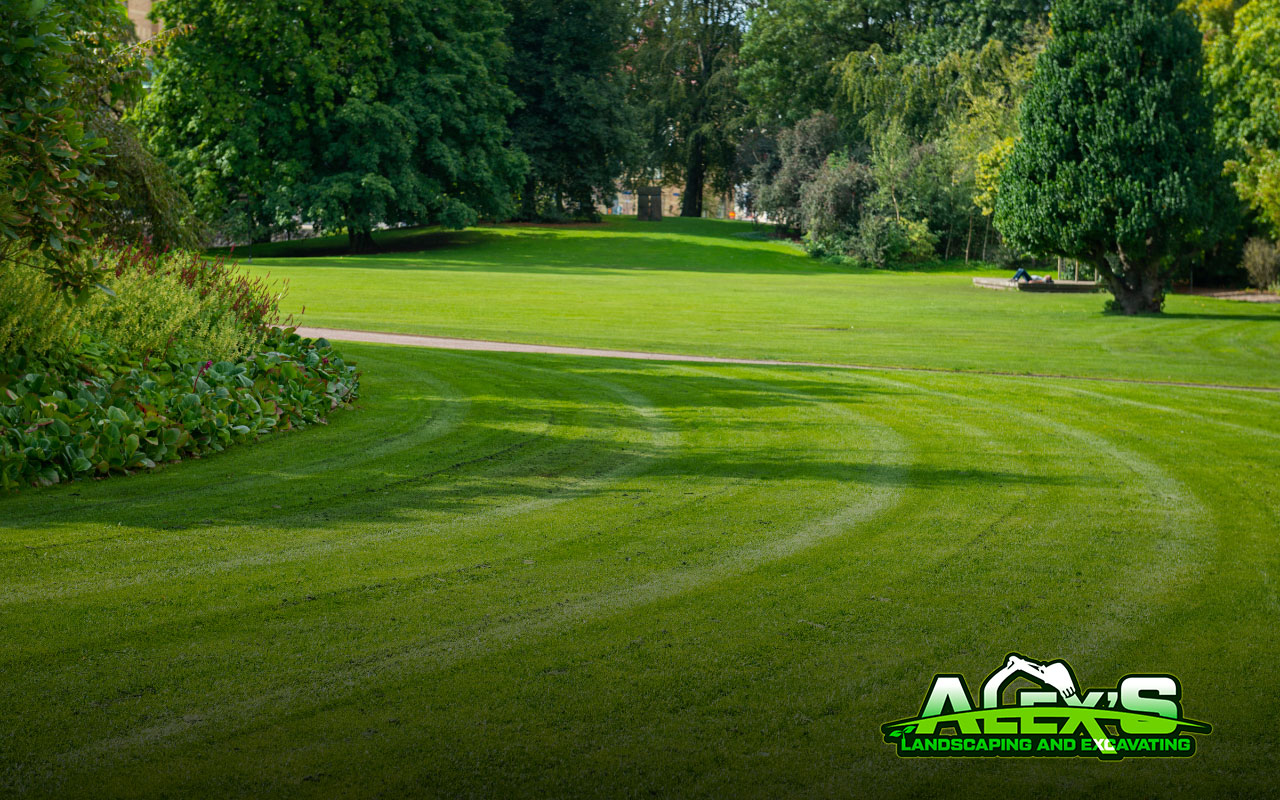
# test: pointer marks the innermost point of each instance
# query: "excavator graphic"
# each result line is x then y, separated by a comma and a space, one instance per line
1056, 675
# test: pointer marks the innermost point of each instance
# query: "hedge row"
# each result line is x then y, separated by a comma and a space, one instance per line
95, 412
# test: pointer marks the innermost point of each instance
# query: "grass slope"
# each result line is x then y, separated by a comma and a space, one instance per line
530, 575
716, 288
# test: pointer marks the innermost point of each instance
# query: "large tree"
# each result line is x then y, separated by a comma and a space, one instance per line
343, 113
793, 52
1117, 166
684, 86
938, 27
572, 121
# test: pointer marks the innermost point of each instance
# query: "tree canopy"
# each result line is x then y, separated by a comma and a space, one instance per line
341, 113
572, 121
1243, 55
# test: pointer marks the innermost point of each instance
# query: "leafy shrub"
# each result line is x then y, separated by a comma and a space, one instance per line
778, 184
832, 203
150, 311
52, 55
33, 317
1262, 262
98, 412
920, 242
879, 241
157, 302
181, 299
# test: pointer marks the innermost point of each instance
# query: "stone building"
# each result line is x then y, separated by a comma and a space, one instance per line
138, 11
713, 206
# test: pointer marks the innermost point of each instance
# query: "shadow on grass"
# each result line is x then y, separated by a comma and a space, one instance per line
514, 431
1216, 317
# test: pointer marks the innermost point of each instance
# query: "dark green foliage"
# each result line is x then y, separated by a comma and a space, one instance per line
572, 121
832, 203
46, 146
346, 114
792, 47
685, 90
70, 71
939, 27
779, 181
1117, 165
149, 203
96, 411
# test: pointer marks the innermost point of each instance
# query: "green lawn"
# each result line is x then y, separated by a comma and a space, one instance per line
713, 288
519, 575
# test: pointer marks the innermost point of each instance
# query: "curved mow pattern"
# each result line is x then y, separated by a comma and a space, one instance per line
1168, 538
436, 653
666, 532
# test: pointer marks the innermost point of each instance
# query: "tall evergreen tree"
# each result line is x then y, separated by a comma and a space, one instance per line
338, 112
1116, 166
572, 121
685, 89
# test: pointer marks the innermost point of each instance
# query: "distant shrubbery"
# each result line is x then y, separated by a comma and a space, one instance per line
1262, 262
885, 183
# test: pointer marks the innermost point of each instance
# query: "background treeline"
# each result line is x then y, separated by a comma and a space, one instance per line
882, 129
875, 130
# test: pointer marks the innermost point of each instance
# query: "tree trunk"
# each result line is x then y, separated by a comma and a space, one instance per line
1136, 291
969, 243
359, 241
695, 180
529, 200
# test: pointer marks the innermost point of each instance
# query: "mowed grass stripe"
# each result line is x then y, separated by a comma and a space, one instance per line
343, 710
1168, 543
1011, 514
555, 471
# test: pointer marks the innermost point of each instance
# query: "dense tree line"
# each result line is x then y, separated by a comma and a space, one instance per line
881, 131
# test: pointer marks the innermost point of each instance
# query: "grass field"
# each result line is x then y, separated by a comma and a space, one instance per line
514, 575
712, 288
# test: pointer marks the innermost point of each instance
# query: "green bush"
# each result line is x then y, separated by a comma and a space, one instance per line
98, 411
153, 303
181, 356
833, 201
33, 317
154, 309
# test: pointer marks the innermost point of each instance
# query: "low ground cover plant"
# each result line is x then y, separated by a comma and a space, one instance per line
177, 356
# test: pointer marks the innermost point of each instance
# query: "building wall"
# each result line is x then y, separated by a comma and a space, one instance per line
138, 11
714, 207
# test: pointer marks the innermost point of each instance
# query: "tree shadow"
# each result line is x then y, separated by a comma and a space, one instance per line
1217, 317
